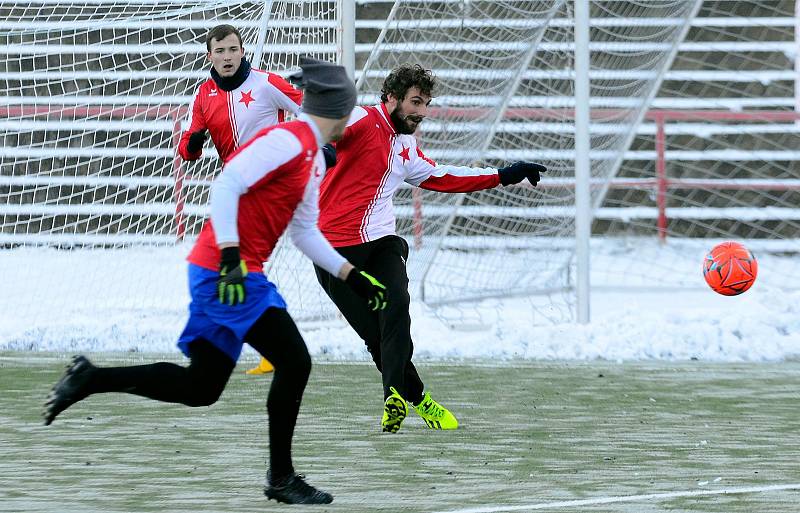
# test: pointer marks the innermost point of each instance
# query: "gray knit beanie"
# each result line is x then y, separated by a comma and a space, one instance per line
327, 90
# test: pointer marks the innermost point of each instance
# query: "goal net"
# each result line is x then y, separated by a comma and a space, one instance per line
715, 158
98, 213
694, 119
507, 93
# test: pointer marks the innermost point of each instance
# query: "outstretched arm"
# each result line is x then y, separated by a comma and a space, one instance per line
429, 175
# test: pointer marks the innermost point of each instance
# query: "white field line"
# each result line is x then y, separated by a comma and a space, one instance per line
627, 498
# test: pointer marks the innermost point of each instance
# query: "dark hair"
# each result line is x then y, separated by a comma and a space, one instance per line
406, 76
220, 32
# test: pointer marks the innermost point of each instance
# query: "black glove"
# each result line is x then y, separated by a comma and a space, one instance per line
518, 171
330, 155
367, 287
196, 141
232, 270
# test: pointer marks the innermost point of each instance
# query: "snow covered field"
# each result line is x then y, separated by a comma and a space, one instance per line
135, 300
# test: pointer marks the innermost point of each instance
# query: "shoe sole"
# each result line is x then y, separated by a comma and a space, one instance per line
278, 497
258, 372
396, 411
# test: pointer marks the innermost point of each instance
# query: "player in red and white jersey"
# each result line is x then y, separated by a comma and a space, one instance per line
268, 186
237, 101
233, 105
377, 153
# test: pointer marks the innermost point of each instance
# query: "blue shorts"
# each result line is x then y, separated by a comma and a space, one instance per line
221, 324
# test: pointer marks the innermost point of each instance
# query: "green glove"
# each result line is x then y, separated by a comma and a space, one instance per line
367, 287
232, 270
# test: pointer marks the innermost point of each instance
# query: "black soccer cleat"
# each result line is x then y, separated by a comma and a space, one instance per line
294, 490
71, 388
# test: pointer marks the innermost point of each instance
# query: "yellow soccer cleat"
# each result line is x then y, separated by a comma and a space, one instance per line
434, 414
395, 410
263, 367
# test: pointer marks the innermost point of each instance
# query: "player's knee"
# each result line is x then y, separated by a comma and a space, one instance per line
204, 399
302, 365
299, 367
374, 348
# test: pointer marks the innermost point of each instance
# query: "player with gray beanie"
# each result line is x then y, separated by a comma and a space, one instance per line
328, 93
269, 185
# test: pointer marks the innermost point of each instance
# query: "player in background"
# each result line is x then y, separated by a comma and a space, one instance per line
237, 101
376, 154
268, 186
233, 105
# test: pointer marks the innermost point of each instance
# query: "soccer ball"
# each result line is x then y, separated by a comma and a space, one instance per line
730, 268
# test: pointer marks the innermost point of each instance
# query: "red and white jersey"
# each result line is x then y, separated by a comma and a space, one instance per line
373, 160
267, 185
234, 117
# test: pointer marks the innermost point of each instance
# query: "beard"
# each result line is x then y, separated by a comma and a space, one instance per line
404, 124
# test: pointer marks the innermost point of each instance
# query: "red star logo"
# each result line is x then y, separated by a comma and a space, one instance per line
404, 154
247, 98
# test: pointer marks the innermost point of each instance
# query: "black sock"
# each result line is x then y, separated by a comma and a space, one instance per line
199, 384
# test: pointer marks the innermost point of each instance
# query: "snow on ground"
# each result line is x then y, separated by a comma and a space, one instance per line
135, 300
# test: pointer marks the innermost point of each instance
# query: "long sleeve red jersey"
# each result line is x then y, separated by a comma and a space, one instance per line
234, 117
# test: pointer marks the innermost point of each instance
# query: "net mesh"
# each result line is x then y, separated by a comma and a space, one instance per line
507, 94
94, 199
716, 157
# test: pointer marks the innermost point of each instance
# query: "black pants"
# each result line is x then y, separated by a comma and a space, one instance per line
274, 336
386, 333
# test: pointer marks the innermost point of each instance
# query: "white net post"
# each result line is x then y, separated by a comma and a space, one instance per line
583, 172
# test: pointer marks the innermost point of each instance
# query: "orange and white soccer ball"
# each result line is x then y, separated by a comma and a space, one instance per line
730, 268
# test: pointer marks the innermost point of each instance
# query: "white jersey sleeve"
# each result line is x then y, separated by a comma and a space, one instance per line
424, 172
284, 95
